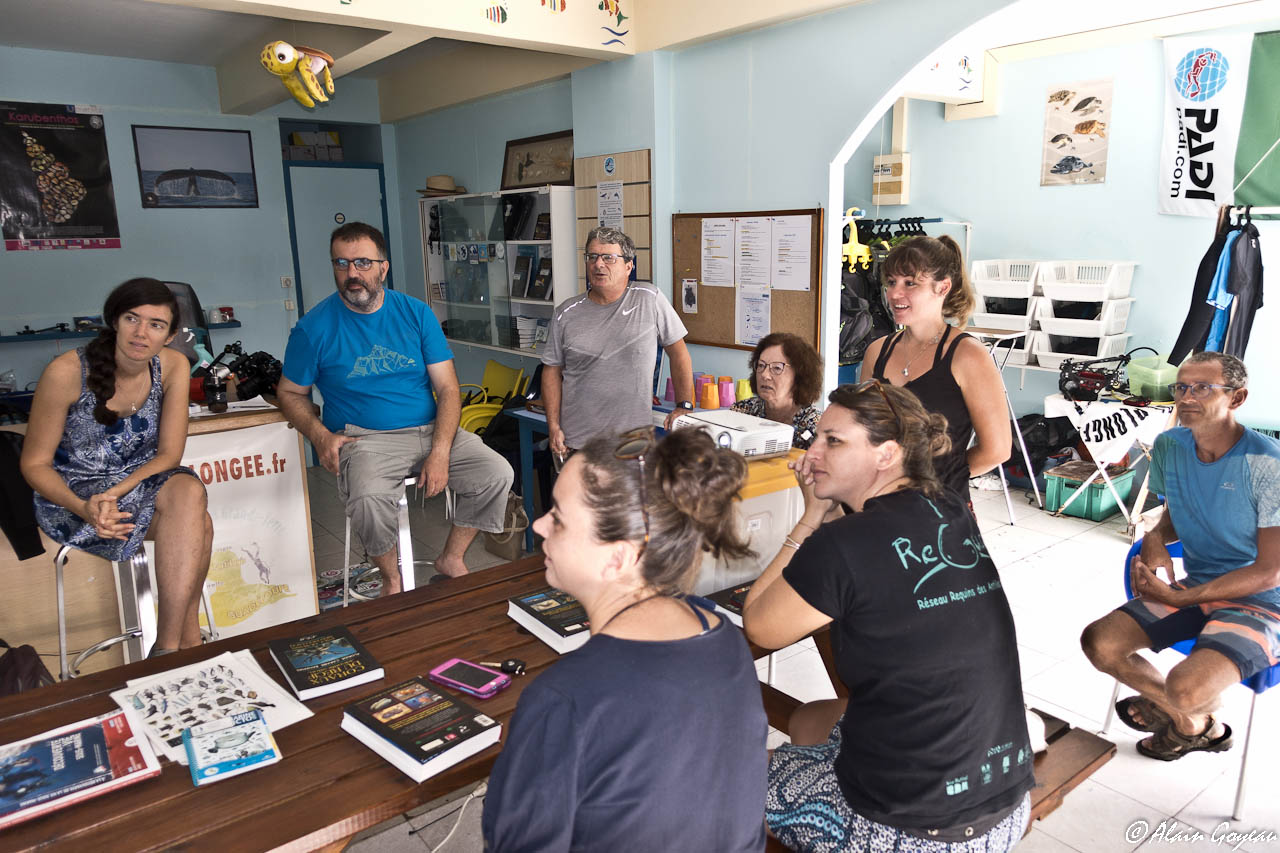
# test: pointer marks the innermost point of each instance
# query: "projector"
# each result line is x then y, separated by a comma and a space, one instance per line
751, 436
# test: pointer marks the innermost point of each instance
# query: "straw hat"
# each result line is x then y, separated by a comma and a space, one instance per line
441, 185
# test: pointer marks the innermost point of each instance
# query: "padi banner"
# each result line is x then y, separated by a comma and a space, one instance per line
1205, 81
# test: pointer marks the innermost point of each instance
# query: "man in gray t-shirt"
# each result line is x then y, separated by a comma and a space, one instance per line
598, 365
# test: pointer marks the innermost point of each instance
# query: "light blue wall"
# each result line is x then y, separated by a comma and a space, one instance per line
468, 142
232, 257
757, 118
987, 171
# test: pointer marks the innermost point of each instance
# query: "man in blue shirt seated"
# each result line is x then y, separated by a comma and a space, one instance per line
377, 356
1221, 482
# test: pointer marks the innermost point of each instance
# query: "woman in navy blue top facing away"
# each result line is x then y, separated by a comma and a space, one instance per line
652, 735
948, 371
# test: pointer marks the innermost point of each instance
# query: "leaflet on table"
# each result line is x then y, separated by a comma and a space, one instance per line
752, 313
717, 252
164, 704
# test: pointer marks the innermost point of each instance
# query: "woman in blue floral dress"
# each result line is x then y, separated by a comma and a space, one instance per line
103, 452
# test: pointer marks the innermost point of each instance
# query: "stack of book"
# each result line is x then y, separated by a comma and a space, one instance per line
66, 765
526, 331
419, 729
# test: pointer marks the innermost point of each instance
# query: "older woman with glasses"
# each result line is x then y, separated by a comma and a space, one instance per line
786, 378
650, 736
931, 747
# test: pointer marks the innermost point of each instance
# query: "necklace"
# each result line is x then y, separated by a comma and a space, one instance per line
628, 607
133, 407
906, 370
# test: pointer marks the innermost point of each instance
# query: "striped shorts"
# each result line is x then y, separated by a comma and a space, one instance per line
1248, 635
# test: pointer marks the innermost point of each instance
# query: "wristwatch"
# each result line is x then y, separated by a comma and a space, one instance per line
684, 404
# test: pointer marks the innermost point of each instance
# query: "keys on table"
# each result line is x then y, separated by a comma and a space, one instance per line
511, 666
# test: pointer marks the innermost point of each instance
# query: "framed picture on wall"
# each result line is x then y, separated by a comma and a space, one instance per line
538, 160
194, 167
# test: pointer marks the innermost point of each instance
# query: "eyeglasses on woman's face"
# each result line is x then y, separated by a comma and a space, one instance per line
773, 368
634, 445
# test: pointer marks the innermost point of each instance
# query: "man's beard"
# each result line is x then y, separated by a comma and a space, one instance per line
359, 298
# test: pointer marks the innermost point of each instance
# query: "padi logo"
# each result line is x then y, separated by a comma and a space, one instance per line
1201, 74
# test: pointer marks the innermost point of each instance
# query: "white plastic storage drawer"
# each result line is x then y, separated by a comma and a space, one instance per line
1051, 350
1083, 319
1085, 281
1006, 278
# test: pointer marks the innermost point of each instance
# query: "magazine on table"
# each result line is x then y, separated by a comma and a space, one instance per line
165, 704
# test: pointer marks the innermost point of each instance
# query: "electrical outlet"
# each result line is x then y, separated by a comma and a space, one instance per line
286, 281
289, 305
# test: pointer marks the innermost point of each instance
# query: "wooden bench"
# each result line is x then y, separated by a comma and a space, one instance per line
1073, 756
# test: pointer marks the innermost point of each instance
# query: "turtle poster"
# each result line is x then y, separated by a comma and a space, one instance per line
1077, 117
1205, 83
55, 178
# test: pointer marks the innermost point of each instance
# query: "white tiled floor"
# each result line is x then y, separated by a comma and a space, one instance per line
1059, 574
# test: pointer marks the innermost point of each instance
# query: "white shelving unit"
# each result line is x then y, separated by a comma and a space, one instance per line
470, 265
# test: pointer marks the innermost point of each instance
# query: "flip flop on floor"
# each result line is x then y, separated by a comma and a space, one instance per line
1154, 718
1169, 744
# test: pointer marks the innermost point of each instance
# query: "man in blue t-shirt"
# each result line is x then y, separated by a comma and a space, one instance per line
1221, 482
377, 356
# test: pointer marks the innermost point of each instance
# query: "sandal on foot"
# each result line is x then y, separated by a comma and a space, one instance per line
1153, 718
1169, 744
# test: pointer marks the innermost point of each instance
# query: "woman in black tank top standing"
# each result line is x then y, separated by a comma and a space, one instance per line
951, 372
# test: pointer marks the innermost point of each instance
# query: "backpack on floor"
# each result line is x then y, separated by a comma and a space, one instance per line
21, 669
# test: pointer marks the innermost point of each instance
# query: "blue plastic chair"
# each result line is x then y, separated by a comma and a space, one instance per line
1258, 682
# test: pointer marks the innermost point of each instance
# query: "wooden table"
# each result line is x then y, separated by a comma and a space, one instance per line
329, 786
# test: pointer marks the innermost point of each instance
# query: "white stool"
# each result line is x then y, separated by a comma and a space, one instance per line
137, 607
406, 546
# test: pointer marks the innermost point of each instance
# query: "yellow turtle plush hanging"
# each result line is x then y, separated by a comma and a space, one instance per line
290, 63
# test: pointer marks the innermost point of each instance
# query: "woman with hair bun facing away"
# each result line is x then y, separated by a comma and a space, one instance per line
931, 747
103, 452
650, 736
950, 372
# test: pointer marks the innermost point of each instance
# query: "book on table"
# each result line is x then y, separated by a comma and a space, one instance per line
730, 601
554, 617
323, 662
419, 728
220, 749
62, 766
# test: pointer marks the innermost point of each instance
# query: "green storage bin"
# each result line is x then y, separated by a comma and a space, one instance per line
1151, 376
1097, 502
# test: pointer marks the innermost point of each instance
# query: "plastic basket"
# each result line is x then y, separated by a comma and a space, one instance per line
1085, 281
1150, 376
1097, 503
1110, 319
1014, 279
1051, 350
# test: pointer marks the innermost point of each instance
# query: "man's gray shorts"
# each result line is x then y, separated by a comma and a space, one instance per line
371, 474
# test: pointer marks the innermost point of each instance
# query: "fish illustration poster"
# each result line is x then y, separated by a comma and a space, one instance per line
1077, 122
55, 178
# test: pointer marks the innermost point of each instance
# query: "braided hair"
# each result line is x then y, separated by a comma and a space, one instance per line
100, 353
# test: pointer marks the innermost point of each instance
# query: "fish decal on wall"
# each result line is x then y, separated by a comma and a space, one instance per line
554, 5
613, 8
497, 13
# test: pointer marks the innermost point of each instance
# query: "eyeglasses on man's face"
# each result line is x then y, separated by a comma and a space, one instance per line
361, 264
1198, 390
608, 258
774, 368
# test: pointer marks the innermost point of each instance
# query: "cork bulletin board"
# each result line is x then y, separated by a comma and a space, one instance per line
795, 311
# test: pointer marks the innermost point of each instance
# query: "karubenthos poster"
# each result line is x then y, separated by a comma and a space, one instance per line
55, 179
1077, 119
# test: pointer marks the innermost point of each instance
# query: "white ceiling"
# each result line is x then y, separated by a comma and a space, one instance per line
130, 28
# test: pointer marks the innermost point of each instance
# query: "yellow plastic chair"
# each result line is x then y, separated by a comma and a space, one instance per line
498, 383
